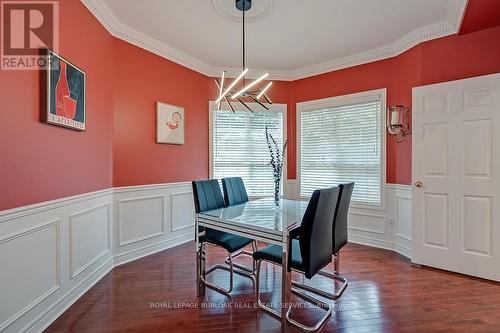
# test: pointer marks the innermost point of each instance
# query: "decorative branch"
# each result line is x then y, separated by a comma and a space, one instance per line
277, 154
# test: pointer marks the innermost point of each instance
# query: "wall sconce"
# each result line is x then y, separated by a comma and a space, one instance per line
398, 122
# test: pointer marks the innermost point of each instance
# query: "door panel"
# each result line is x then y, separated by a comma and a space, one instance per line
456, 156
436, 219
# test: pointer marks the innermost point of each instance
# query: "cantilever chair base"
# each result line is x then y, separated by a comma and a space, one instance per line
301, 294
231, 269
247, 253
334, 276
323, 293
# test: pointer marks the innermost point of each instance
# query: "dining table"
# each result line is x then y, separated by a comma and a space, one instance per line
262, 220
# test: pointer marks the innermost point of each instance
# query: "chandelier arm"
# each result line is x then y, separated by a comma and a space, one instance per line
219, 103
244, 104
229, 103
268, 100
258, 102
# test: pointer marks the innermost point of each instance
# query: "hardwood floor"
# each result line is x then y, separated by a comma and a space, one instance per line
385, 294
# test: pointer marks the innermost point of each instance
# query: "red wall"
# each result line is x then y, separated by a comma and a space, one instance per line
40, 162
449, 58
141, 79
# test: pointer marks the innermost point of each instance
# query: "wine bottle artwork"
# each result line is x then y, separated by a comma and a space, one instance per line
66, 93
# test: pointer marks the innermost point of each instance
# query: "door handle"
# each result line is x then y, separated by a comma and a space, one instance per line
419, 184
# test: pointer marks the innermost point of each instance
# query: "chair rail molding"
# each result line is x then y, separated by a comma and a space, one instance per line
81, 241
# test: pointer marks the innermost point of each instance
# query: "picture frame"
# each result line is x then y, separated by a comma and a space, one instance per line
169, 124
64, 93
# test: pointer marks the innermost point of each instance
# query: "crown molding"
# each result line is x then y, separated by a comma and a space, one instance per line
123, 32
456, 13
119, 30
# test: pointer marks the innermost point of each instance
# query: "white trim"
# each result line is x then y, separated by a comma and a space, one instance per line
53, 312
54, 288
122, 242
275, 107
360, 97
147, 250
381, 231
119, 30
172, 211
137, 188
75, 273
18, 212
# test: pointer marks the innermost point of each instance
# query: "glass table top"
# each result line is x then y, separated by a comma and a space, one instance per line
261, 215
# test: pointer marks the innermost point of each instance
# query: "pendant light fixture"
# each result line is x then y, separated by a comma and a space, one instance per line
248, 91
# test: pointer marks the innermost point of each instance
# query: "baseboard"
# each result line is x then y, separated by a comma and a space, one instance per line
403, 250
369, 241
147, 250
58, 308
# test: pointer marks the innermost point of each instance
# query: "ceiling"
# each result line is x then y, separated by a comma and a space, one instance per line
288, 38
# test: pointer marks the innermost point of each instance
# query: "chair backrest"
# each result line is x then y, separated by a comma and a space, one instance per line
207, 195
234, 191
316, 230
340, 220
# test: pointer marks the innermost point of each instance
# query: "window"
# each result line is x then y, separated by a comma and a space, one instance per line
342, 139
239, 148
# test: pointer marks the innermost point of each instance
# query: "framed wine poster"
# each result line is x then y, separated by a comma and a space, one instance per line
169, 124
65, 93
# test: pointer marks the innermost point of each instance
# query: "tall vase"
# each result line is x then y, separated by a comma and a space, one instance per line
277, 188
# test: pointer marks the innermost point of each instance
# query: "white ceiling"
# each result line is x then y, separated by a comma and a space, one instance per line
288, 38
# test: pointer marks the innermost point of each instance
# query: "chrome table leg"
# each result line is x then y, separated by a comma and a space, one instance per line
286, 280
200, 263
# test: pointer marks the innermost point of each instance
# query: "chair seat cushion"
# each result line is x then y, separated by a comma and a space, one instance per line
274, 253
229, 242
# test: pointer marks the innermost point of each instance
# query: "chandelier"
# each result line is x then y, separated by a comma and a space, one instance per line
248, 91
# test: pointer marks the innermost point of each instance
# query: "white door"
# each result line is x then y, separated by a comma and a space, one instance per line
456, 176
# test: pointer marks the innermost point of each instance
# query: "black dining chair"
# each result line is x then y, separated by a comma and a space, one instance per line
208, 196
235, 193
308, 254
339, 240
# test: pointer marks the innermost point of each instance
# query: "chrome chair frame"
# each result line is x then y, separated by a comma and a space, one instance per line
231, 269
247, 253
301, 294
334, 276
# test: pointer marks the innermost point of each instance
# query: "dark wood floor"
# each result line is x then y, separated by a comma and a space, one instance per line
385, 294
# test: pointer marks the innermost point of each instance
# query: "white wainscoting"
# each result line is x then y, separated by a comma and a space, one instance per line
151, 218
55, 251
388, 229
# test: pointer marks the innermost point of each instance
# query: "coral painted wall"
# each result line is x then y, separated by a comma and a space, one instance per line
141, 79
41, 162
445, 59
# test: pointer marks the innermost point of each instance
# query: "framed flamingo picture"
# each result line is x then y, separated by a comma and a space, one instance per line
169, 124
65, 93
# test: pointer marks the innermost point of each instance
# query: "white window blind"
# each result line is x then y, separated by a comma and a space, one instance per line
239, 147
343, 144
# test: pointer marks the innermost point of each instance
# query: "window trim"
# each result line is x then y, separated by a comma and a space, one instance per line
336, 101
275, 107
